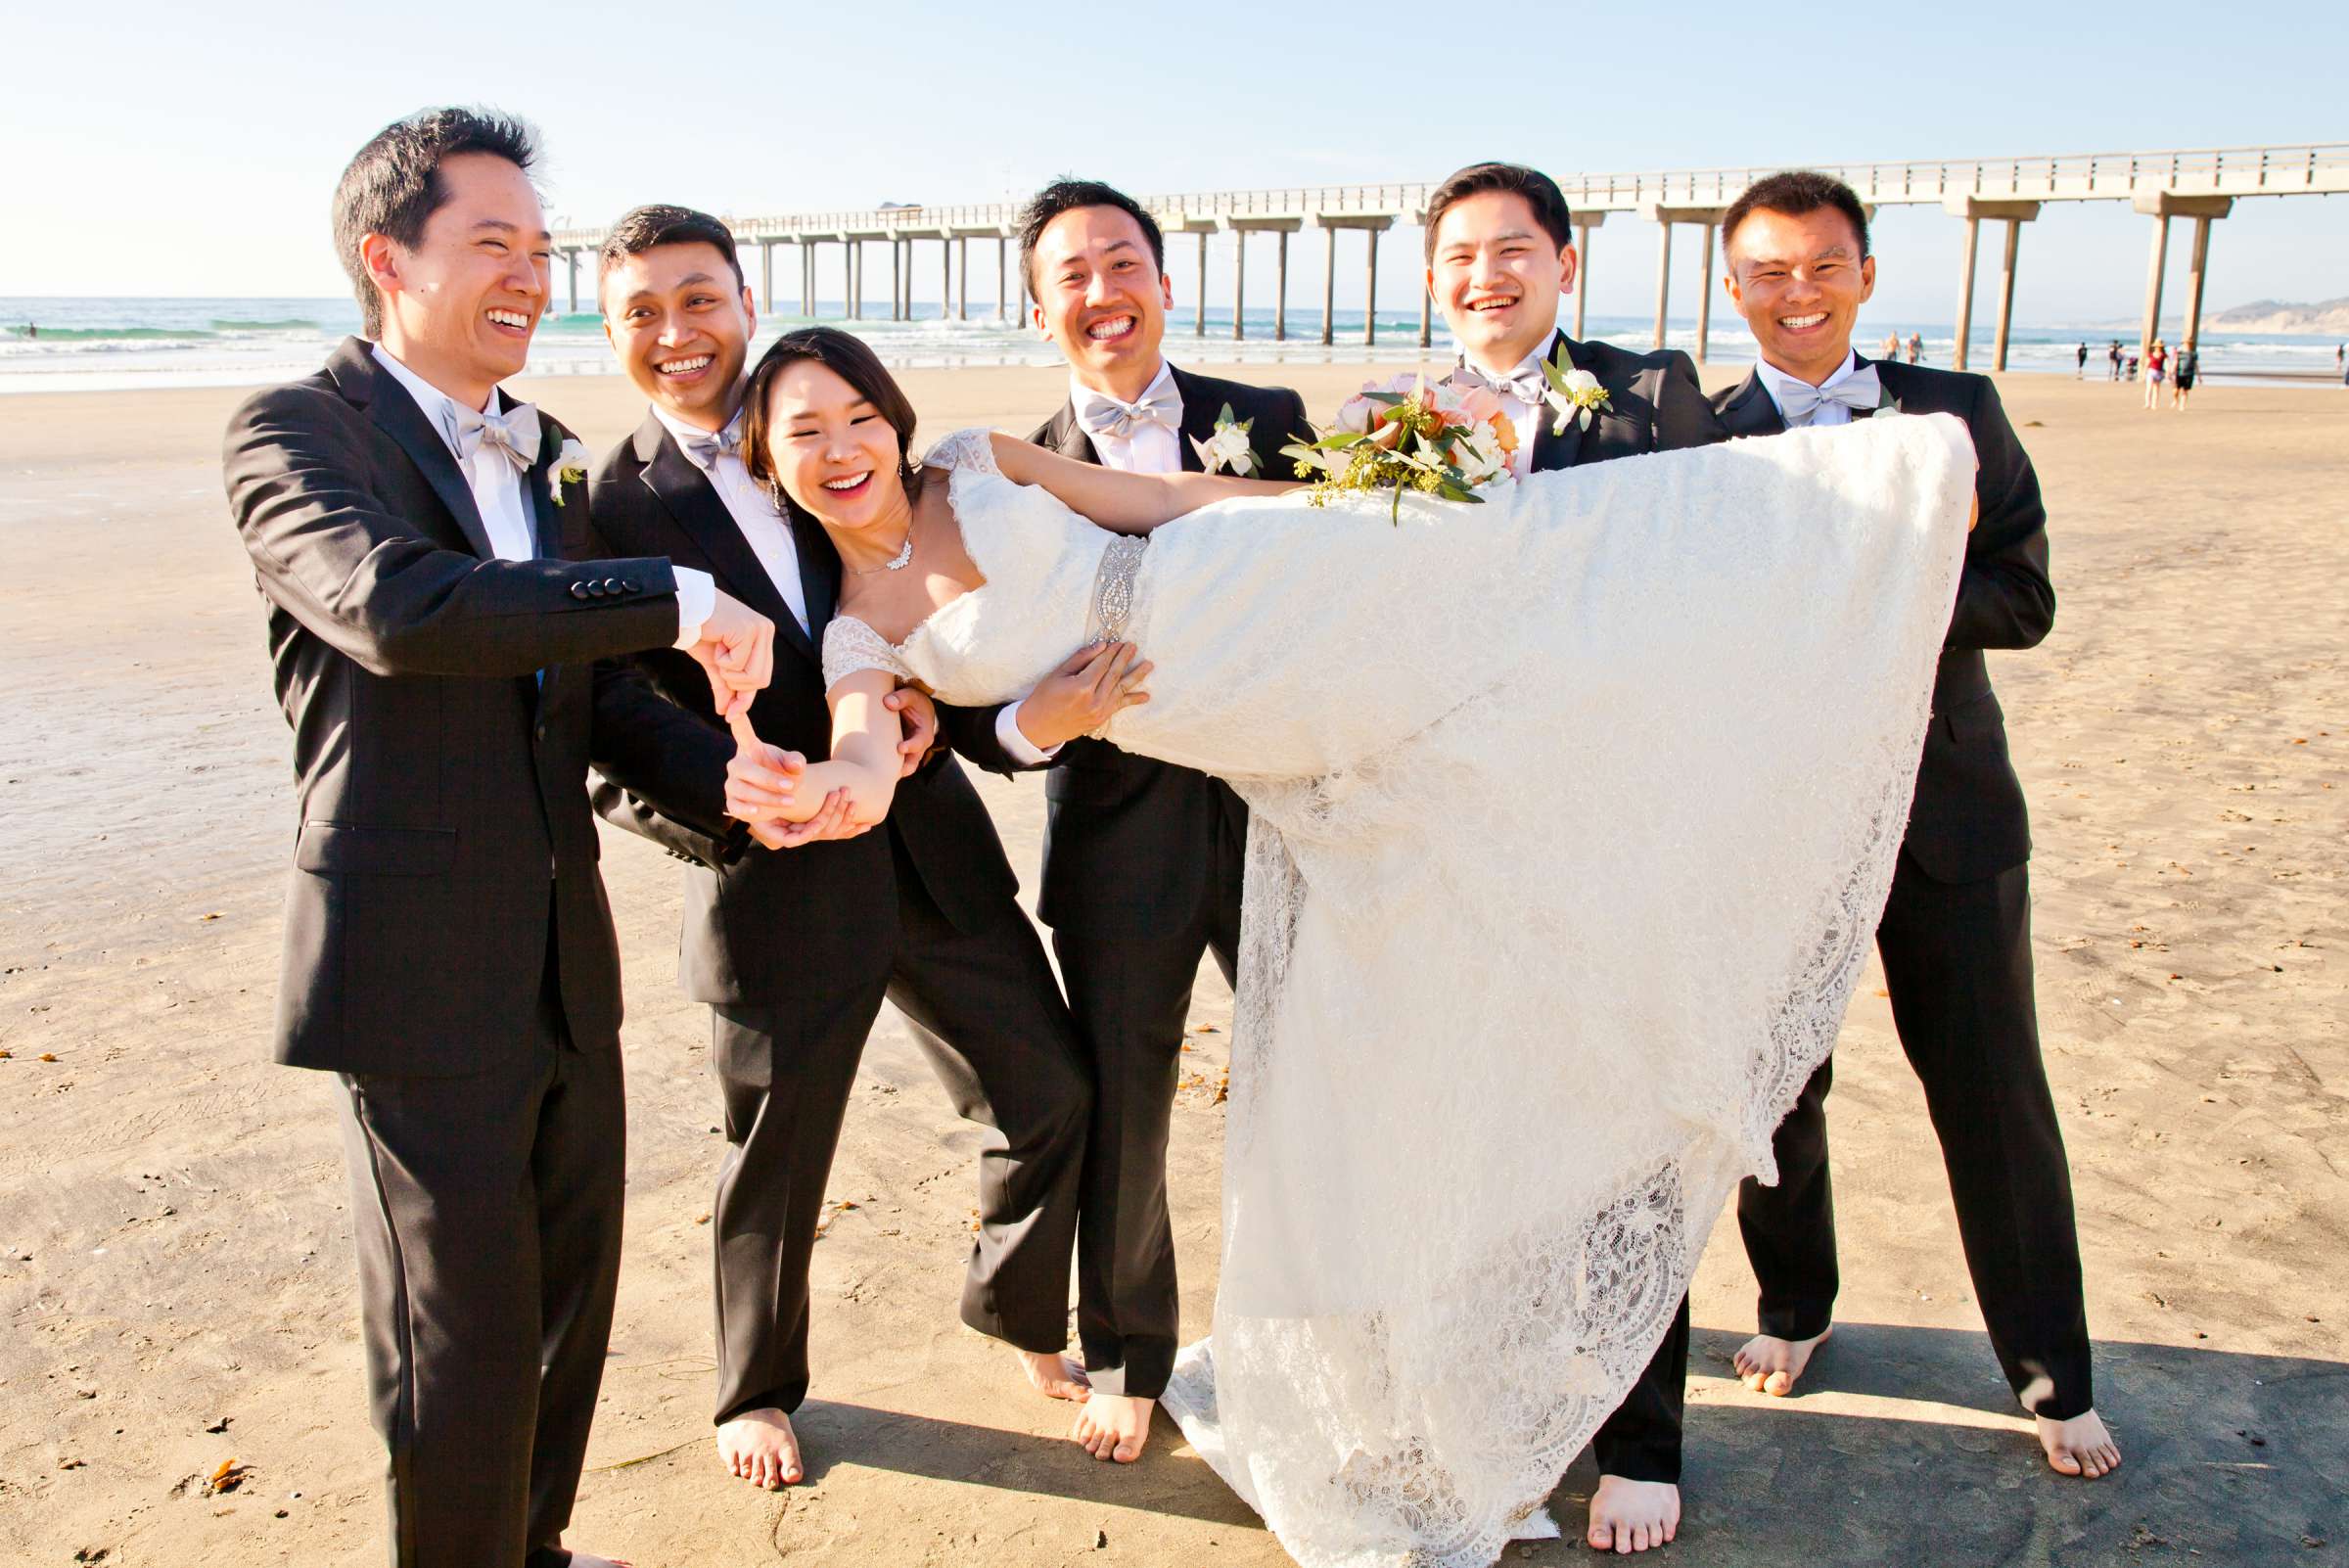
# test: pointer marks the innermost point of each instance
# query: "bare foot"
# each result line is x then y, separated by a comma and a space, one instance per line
2079, 1447
1633, 1515
1770, 1366
1114, 1426
759, 1447
1053, 1374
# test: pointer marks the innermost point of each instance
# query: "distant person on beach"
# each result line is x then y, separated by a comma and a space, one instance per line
449, 954
1917, 347
1891, 346
2080, 362
2183, 373
2132, 366
793, 999
2114, 355
1956, 936
2157, 358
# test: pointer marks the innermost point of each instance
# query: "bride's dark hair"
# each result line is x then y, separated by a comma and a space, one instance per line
848, 358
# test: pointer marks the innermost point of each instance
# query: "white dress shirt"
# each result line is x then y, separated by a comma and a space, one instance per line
1523, 416
1828, 413
1150, 448
496, 487
764, 529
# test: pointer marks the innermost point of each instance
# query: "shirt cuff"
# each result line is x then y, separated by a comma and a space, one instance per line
697, 598
1017, 744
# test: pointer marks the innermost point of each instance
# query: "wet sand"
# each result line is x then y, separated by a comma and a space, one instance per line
175, 1271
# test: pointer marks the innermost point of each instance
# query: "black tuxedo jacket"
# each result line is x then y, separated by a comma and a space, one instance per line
445, 836
1119, 828
758, 923
1969, 822
1654, 404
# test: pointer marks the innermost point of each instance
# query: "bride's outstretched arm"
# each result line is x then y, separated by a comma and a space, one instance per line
1122, 503
867, 760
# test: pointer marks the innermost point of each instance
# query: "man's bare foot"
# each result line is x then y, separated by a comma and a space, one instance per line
759, 1447
1053, 1374
1770, 1366
2079, 1447
1113, 1426
1633, 1515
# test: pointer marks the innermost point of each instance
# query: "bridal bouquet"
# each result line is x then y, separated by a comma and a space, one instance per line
1408, 434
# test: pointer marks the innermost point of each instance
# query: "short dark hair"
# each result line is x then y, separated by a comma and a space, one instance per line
644, 228
854, 361
1067, 194
1796, 191
393, 186
1539, 191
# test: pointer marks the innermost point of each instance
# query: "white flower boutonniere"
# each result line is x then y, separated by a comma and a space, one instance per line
1575, 394
1887, 408
569, 468
1229, 448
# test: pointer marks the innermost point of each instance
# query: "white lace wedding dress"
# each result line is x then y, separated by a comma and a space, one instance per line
1573, 815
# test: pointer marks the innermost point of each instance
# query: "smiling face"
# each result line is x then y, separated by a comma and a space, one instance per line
1100, 299
681, 325
835, 454
1799, 281
460, 306
1497, 277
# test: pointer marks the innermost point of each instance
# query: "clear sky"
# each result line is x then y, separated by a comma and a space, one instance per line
156, 149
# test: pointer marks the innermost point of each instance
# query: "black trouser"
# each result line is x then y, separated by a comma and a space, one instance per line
1958, 968
1641, 1440
986, 1011
1132, 995
486, 1213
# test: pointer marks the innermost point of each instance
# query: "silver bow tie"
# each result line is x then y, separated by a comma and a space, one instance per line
706, 447
1106, 416
1527, 386
514, 432
1859, 392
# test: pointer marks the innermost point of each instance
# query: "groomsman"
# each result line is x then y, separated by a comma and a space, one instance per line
436, 614
1143, 859
1955, 935
794, 949
1500, 256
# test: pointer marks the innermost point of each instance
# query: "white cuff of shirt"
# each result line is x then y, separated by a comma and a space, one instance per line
697, 599
1016, 744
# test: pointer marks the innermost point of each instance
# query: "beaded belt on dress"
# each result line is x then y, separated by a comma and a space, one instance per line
1113, 587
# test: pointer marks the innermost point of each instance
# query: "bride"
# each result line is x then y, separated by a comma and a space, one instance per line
1572, 814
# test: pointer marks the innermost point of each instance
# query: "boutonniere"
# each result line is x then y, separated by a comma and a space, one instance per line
1890, 406
1228, 447
570, 466
1575, 394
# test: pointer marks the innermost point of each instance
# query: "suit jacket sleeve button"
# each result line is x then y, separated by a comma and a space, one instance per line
626, 586
578, 590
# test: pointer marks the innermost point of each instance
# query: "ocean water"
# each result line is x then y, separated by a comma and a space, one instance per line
93, 345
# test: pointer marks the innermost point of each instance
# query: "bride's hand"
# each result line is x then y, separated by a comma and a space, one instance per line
1090, 687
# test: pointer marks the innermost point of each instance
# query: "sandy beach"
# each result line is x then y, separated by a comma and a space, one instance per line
176, 1288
